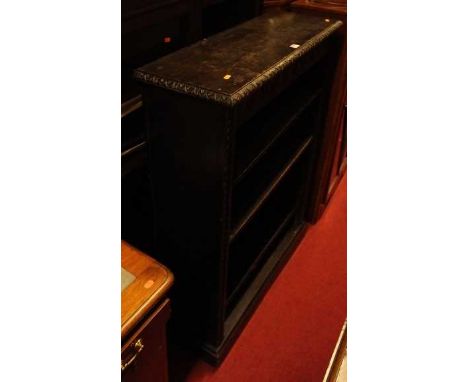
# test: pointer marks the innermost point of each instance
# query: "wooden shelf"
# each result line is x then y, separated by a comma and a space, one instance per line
132, 129
275, 160
131, 105
247, 275
248, 248
271, 187
242, 311
259, 134
132, 158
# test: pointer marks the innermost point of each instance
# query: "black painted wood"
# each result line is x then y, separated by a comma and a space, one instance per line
252, 54
152, 29
225, 236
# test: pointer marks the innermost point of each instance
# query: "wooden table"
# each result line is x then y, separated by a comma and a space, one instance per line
144, 312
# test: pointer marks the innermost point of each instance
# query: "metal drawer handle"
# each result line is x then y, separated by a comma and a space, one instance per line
138, 346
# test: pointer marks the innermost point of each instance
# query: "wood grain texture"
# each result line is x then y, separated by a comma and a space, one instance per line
142, 294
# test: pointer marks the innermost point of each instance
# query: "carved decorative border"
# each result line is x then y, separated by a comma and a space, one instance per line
243, 92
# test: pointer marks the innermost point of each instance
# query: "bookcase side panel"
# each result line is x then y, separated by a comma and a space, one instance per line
188, 164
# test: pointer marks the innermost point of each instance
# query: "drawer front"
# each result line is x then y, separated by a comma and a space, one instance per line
144, 354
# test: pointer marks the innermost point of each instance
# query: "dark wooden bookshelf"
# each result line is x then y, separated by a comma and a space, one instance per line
233, 127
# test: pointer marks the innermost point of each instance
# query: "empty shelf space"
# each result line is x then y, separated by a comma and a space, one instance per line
285, 226
259, 283
249, 194
254, 244
257, 204
255, 138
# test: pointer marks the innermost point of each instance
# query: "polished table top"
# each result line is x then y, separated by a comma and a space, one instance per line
145, 282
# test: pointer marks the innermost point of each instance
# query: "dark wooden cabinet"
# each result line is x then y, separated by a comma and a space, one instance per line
144, 354
145, 310
234, 124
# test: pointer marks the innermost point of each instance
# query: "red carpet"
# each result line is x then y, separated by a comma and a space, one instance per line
292, 334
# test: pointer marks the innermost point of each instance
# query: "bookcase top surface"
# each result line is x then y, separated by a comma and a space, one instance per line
228, 66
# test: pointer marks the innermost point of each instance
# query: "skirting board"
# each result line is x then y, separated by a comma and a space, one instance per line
338, 355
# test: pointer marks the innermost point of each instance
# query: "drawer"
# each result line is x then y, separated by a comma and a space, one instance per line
144, 354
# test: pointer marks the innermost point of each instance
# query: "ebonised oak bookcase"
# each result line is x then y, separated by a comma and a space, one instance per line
233, 123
